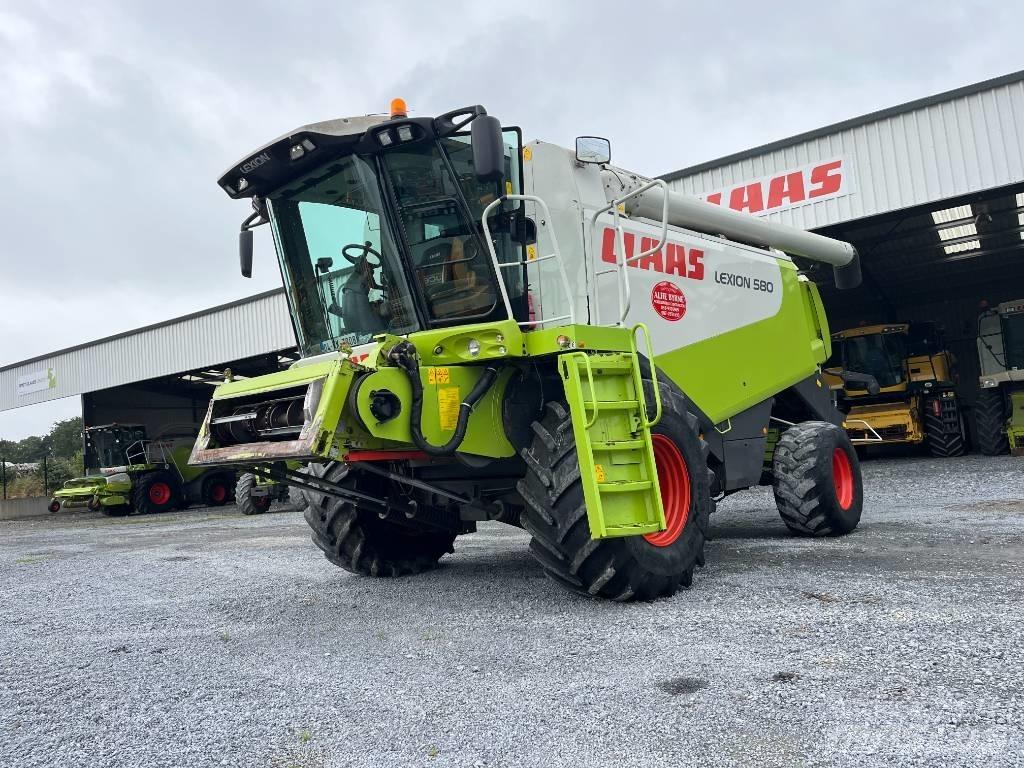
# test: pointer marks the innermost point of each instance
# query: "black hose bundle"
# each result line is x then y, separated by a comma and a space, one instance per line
403, 355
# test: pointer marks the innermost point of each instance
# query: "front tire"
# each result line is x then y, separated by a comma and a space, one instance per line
357, 539
990, 423
627, 568
818, 486
247, 503
944, 430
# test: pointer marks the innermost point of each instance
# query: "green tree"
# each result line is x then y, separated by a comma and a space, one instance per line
65, 438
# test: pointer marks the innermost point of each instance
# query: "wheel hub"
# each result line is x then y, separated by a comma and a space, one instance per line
674, 482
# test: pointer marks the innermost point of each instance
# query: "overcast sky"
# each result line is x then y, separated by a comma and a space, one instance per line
116, 118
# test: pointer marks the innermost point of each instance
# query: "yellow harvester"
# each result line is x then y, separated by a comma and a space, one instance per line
896, 384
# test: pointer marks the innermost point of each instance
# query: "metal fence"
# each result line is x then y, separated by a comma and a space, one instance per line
27, 480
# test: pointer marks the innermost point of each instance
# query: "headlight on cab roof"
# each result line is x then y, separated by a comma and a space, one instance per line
988, 383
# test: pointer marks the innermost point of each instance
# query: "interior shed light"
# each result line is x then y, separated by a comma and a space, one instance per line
951, 214
1020, 199
970, 245
962, 231
1020, 220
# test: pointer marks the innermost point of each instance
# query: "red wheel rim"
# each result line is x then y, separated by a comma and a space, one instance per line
54, 506
160, 493
218, 493
842, 478
674, 482
261, 502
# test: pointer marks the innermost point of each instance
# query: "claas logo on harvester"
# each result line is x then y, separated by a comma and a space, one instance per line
672, 259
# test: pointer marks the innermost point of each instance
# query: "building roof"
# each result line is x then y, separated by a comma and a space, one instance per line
256, 325
853, 122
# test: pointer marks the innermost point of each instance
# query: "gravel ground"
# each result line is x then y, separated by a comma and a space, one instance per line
206, 638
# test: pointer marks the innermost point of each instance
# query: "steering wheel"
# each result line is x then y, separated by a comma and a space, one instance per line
365, 252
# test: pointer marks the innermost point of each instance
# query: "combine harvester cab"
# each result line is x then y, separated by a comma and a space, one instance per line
527, 334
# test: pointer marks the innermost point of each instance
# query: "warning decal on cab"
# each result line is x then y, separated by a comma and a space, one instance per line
668, 300
448, 403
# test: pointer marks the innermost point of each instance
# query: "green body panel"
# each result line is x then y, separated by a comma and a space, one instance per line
613, 443
444, 389
179, 458
729, 373
1015, 425
598, 337
290, 377
450, 346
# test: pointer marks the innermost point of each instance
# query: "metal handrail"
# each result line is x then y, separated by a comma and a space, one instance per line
593, 390
555, 254
638, 379
862, 440
621, 262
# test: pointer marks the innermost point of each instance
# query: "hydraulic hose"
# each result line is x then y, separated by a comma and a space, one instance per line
403, 355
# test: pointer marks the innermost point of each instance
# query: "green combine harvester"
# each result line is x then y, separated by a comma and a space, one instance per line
136, 474
528, 334
999, 410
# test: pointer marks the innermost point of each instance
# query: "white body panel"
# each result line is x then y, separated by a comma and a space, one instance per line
696, 287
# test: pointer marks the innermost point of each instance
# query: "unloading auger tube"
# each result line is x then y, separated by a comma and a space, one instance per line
403, 355
692, 213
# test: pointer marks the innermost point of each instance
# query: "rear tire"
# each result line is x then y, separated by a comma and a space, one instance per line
356, 539
944, 431
990, 423
216, 491
818, 486
156, 492
627, 568
247, 503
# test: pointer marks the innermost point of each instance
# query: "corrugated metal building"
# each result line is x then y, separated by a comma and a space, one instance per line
930, 192
162, 373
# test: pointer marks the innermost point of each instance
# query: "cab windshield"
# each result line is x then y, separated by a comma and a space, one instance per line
388, 243
106, 446
881, 355
1013, 340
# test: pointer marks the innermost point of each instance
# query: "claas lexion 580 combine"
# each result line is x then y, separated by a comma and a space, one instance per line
528, 334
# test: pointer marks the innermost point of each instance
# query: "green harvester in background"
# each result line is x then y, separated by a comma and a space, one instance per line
136, 474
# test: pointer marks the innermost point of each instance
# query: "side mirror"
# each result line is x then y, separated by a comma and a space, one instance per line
245, 252
593, 149
488, 148
860, 381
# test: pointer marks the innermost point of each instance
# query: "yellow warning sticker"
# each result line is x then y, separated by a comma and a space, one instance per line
439, 376
599, 473
531, 252
527, 154
448, 401
508, 187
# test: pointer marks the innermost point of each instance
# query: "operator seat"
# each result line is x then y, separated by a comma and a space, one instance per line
450, 282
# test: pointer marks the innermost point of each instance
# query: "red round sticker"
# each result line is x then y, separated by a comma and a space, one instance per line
668, 300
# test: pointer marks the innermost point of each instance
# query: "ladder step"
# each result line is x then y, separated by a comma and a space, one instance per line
614, 365
613, 405
625, 486
617, 445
